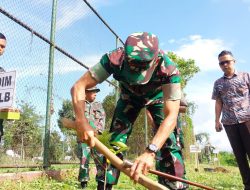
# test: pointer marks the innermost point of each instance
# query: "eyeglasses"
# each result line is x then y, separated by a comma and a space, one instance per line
225, 62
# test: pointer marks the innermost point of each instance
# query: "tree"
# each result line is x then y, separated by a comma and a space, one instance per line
56, 150
109, 103
187, 68
227, 158
202, 138
69, 135
137, 138
25, 134
67, 112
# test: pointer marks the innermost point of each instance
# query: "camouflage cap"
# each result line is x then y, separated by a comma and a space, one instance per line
95, 89
141, 49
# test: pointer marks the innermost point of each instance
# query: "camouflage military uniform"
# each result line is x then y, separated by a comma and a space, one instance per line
141, 86
96, 117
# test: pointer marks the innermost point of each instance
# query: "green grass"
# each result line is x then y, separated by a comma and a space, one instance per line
217, 180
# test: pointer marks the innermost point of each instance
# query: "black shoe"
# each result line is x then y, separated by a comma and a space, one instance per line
84, 184
101, 186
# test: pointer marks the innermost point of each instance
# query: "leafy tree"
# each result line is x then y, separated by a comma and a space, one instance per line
24, 135
188, 135
227, 158
187, 68
109, 104
137, 138
202, 138
67, 112
56, 150
69, 135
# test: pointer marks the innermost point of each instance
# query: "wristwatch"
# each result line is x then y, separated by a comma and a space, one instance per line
152, 148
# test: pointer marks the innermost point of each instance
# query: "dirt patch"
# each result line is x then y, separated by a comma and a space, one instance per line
32, 175
221, 169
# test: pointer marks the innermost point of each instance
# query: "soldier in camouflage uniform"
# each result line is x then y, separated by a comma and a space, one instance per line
146, 76
95, 114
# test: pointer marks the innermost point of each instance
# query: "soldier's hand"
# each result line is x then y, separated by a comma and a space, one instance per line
85, 132
142, 165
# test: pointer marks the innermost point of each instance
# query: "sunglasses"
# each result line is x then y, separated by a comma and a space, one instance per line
225, 62
138, 65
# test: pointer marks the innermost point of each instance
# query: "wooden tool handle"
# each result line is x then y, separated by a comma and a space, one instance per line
116, 161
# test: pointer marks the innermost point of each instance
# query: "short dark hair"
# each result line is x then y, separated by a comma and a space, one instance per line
2, 36
225, 52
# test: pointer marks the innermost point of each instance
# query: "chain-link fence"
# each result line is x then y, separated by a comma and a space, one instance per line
81, 38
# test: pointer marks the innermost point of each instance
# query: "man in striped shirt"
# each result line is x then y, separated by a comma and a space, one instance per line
232, 99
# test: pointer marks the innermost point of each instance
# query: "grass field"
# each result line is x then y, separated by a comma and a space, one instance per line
218, 180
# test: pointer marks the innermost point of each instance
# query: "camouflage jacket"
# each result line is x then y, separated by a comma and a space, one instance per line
95, 114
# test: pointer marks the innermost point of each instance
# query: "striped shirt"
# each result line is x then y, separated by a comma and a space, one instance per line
234, 94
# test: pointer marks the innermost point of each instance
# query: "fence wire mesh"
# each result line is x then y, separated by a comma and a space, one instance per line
80, 40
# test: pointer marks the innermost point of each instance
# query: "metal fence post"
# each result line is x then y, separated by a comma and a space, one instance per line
50, 87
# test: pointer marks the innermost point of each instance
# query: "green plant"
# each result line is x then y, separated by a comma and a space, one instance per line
227, 158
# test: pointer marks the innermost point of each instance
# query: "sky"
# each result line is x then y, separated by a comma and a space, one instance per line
193, 29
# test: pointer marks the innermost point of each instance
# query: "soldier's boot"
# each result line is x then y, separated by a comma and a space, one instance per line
84, 184
101, 186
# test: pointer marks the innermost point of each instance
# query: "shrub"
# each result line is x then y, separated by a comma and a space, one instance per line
227, 158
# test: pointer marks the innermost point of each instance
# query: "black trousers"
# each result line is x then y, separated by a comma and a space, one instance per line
239, 137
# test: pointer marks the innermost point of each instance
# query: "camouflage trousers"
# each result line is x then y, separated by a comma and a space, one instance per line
84, 154
169, 158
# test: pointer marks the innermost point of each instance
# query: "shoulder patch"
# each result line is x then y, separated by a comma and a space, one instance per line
116, 57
